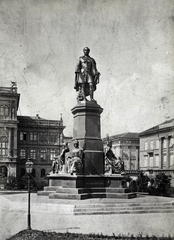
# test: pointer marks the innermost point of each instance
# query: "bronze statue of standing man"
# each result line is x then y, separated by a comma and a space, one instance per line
86, 76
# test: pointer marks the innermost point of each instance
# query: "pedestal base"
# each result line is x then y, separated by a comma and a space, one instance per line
86, 129
86, 186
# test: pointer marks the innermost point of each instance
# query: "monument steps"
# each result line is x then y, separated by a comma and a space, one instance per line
58, 192
65, 195
48, 190
126, 212
51, 188
68, 196
125, 204
123, 208
44, 193
92, 190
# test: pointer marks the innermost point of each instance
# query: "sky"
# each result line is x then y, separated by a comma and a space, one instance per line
131, 41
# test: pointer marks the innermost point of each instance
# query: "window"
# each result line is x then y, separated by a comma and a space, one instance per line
6, 111
1, 110
165, 143
33, 136
151, 145
157, 144
171, 142
145, 145
13, 113
145, 161
22, 154
42, 172
3, 171
33, 154
3, 146
164, 161
52, 154
172, 161
23, 136
151, 162
156, 161
43, 154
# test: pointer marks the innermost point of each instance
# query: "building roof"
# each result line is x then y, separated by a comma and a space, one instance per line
158, 128
127, 135
37, 120
31, 117
10, 92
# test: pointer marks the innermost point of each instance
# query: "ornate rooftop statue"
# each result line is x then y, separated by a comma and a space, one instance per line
86, 76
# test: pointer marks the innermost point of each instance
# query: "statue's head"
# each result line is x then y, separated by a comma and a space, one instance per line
86, 50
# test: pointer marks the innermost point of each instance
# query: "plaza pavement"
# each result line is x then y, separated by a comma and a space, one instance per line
56, 215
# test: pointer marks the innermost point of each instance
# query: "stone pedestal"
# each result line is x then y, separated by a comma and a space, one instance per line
92, 183
86, 186
86, 129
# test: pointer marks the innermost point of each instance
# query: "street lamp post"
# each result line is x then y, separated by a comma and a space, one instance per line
29, 168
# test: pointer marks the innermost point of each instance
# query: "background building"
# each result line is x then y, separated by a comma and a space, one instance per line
126, 146
40, 140
23, 137
9, 101
157, 148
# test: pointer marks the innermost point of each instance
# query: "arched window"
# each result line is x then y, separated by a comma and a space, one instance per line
22, 172
3, 146
22, 154
3, 171
43, 154
164, 143
33, 153
42, 172
52, 154
34, 173
6, 111
1, 110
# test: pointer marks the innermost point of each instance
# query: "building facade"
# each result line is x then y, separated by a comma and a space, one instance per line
157, 149
125, 146
23, 137
9, 101
40, 140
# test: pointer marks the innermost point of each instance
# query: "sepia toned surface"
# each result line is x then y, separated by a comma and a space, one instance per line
132, 42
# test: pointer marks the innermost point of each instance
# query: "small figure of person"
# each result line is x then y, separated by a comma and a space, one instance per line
74, 163
86, 76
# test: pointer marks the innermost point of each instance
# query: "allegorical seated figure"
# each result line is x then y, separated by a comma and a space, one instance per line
112, 164
59, 161
74, 163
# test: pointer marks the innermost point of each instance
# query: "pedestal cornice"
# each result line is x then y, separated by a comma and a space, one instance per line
87, 106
